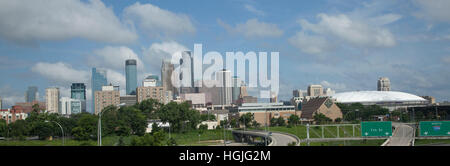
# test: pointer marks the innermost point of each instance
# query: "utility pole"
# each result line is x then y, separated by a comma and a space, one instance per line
307, 133
224, 138
435, 107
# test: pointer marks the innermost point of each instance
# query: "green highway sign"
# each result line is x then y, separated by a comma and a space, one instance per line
434, 128
376, 129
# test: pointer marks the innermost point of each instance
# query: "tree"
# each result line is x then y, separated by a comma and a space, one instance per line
134, 119
149, 107
255, 124
43, 129
35, 108
281, 121
86, 127
273, 122
155, 128
180, 116
156, 139
246, 119
234, 123
293, 120
206, 117
19, 129
320, 118
3, 128
123, 122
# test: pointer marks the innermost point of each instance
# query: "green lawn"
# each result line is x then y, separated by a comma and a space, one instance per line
316, 132
106, 141
424, 142
191, 138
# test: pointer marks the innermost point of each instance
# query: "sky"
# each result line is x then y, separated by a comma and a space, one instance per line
343, 45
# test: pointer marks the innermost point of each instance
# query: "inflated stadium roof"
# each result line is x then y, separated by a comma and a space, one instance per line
376, 97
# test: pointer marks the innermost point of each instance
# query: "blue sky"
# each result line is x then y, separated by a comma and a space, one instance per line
344, 45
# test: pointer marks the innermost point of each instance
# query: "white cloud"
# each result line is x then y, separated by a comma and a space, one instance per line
355, 32
154, 20
116, 78
433, 10
385, 19
333, 86
114, 58
60, 73
311, 44
25, 21
254, 29
252, 9
159, 51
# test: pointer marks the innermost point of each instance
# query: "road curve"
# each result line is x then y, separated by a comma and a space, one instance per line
402, 136
282, 139
279, 139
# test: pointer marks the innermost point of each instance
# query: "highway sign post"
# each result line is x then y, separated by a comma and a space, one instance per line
434, 128
376, 129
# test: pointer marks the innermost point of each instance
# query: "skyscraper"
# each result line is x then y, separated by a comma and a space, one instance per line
236, 88
315, 90
299, 93
384, 84
52, 100
187, 65
151, 80
225, 85
99, 79
78, 91
166, 75
31, 94
131, 76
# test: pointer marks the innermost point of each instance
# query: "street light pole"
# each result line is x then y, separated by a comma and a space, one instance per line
62, 130
99, 128
224, 137
99, 135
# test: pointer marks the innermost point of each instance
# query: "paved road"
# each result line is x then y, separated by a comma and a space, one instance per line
279, 139
402, 136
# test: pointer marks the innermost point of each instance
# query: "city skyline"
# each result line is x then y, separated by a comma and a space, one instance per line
374, 43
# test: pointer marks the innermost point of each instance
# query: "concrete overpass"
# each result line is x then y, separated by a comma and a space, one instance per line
259, 137
403, 135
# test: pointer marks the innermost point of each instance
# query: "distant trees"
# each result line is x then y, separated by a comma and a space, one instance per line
293, 120
246, 119
19, 129
86, 127
179, 116
357, 111
320, 118
277, 121
156, 139
3, 128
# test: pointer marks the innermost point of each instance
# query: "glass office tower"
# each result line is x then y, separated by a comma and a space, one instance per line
99, 79
131, 76
78, 91
31, 94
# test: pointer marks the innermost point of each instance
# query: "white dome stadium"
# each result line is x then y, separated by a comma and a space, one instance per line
376, 97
